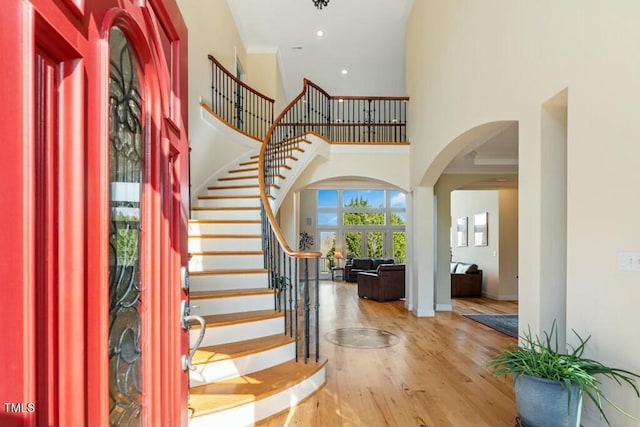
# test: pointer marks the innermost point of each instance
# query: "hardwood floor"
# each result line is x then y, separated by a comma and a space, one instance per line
434, 376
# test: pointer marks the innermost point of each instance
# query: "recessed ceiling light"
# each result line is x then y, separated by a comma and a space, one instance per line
320, 33
344, 72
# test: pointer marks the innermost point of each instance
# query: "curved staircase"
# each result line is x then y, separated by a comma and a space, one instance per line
245, 368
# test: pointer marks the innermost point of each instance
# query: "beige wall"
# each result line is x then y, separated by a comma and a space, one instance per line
213, 32
262, 73
217, 35
470, 63
508, 244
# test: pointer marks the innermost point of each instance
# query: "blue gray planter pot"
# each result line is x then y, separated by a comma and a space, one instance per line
543, 403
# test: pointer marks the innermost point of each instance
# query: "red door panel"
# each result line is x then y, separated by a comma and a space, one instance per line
54, 260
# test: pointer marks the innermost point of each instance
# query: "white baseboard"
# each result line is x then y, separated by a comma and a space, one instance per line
444, 307
508, 297
501, 297
424, 313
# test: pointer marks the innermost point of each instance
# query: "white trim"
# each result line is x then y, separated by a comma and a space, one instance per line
424, 313
512, 297
262, 49
444, 307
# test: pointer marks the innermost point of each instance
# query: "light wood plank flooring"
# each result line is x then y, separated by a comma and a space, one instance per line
434, 376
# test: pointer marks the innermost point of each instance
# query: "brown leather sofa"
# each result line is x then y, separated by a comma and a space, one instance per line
466, 280
359, 265
385, 284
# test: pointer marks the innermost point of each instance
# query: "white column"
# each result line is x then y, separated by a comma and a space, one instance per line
422, 253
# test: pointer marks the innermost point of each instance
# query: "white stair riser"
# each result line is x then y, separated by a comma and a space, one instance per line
229, 202
251, 412
227, 214
203, 307
238, 332
197, 244
228, 281
225, 262
225, 228
225, 369
248, 191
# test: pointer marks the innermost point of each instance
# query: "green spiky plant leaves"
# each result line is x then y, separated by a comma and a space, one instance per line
540, 358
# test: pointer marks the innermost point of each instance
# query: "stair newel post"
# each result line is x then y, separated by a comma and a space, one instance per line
289, 310
307, 306
317, 309
296, 299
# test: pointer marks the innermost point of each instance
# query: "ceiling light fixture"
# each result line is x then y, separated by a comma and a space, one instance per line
320, 3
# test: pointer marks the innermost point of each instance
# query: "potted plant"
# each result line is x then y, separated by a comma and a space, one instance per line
549, 385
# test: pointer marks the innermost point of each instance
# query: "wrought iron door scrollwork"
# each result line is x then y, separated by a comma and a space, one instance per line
125, 287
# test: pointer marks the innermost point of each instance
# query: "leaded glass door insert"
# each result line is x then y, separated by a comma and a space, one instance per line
126, 167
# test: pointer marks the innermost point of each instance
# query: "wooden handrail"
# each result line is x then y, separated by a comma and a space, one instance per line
359, 124
263, 190
310, 112
278, 122
238, 81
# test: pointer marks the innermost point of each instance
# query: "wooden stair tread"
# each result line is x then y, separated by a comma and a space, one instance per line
220, 272
216, 353
224, 221
210, 398
228, 197
235, 318
276, 175
226, 208
224, 293
243, 170
232, 187
233, 178
251, 162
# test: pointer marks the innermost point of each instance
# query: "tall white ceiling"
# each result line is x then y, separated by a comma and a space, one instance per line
365, 37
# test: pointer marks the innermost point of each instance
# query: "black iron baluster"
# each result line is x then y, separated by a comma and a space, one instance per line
317, 310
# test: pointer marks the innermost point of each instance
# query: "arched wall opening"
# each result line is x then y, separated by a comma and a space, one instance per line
483, 158
350, 197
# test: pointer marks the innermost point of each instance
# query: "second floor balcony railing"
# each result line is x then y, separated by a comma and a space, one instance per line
339, 119
237, 104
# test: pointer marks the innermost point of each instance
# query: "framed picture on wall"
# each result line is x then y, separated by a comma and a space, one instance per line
461, 230
480, 229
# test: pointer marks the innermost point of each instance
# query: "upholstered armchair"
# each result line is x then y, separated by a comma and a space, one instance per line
385, 284
358, 265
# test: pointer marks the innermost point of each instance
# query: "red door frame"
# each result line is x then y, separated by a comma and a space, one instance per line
75, 34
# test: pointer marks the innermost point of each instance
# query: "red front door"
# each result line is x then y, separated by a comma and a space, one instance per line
93, 209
